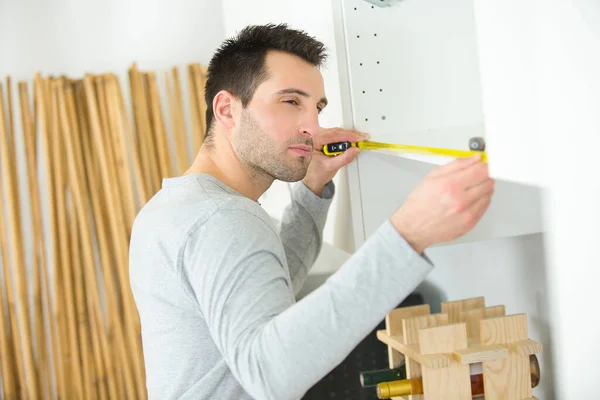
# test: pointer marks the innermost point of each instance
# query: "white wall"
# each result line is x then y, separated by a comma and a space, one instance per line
77, 36
569, 100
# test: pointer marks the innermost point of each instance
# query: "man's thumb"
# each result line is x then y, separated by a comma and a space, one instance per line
350, 155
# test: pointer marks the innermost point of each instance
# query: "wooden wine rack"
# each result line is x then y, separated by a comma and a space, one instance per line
440, 348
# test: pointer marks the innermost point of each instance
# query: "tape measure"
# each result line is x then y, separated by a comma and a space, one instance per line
477, 146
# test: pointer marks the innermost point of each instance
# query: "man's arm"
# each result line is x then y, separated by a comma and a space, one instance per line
278, 348
301, 229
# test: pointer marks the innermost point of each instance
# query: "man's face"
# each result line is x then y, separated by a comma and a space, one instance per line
274, 133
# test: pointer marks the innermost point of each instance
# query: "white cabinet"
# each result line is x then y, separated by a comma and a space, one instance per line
385, 180
508, 48
414, 71
417, 73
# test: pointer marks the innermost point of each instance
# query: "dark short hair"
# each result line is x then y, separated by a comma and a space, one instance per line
238, 65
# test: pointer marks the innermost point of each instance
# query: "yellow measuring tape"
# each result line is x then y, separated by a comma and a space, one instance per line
333, 149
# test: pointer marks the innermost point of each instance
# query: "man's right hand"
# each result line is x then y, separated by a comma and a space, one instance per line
447, 204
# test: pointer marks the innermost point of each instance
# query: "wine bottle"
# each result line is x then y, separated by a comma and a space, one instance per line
405, 387
372, 378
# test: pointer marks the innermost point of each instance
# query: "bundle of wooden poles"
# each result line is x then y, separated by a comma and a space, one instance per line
69, 328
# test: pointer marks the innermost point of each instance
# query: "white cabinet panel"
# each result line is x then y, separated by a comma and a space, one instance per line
386, 181
508, 45
414, 72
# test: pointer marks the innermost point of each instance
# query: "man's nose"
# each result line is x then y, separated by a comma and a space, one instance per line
310, 125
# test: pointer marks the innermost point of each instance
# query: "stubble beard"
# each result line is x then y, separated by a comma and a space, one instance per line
264, 159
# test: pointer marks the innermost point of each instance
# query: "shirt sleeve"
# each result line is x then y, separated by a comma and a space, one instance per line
275, 347
301, 229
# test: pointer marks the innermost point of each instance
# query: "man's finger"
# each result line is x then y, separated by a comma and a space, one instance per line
456, 165
336, 135
345, 158
483, 189
479, 207
472, 175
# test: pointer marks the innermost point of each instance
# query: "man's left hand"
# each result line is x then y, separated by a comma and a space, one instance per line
323, 168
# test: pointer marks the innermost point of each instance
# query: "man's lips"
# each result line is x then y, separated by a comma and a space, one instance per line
302, 149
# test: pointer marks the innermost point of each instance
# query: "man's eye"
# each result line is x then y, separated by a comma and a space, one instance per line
294, 102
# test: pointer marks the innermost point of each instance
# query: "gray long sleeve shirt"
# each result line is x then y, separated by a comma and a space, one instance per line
214, 281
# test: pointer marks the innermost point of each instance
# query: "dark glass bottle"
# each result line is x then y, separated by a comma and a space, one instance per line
372, 378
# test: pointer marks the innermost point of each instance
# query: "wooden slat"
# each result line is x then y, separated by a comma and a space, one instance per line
413, 351
454, 308
474, 316
452, 382
507, 378
394, 327
411, 327
475, 354
526, 347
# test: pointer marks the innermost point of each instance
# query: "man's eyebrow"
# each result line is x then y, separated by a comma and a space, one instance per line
301, 93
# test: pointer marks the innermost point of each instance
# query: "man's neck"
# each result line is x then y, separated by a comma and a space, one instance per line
220, 161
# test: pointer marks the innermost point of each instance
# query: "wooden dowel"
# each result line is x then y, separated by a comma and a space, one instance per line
122, 165
69, 126
144, 135
137, 126
115, 218
91, 165
177, 120
194, 110
17, 256
158, 127
11, 122
7, 360
92, 297
55, 319
105, 377
82, 317
132, 338
107, 127
113, 200
130, 148
202, 73
61, 178
59, 276
38, 240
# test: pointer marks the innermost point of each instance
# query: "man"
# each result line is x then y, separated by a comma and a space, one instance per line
215, 282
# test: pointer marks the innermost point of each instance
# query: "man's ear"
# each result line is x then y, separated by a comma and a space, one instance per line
223, 108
